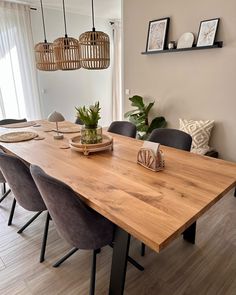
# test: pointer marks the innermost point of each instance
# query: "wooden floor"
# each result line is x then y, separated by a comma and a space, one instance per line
209, 267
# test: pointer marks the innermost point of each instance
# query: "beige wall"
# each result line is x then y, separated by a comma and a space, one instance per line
191, 85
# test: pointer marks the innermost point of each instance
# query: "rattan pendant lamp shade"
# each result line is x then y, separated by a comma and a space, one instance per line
44, 52
94, 48
67, 50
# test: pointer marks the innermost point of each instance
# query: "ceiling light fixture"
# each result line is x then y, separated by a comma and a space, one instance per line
67, 50
94, 48
44, 52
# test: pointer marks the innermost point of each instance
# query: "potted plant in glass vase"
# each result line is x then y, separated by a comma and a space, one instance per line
91, 133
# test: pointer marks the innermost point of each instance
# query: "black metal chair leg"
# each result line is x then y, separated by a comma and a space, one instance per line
4, 188
6, 193
93, 272
143, 246
29, 222
45, 236
12, 211
235, 192
60, 261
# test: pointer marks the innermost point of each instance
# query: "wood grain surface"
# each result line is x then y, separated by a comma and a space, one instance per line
153, 207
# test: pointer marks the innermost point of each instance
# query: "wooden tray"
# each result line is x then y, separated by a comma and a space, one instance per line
18, 136
86, 149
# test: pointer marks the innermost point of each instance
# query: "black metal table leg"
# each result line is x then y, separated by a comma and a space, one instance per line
119, 262
190, 233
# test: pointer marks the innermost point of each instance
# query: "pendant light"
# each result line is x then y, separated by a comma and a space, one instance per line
44, 52
94, 48
67, 50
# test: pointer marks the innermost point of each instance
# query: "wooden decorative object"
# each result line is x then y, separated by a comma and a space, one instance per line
95, 50
86, 149
150, 156
17, 136
44, 55
67, 53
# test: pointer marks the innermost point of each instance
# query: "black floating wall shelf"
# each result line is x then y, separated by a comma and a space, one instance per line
218, 44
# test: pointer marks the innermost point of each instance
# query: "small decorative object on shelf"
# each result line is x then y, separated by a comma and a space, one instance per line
56, 117
185, 41
172, 45
91, 133
151, 157
207, 32
157, 33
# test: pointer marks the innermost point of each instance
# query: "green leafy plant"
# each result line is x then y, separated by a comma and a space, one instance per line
89, 116
139, 117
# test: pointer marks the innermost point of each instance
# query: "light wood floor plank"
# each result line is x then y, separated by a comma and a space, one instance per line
207, 268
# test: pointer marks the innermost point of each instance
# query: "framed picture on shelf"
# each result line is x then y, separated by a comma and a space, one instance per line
157, 33
207, 32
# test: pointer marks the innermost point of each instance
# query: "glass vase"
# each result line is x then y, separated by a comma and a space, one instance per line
91, 134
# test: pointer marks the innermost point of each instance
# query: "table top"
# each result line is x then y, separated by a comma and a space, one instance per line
155, 207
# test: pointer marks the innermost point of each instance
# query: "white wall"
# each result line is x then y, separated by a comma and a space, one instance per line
63, 90
194, 84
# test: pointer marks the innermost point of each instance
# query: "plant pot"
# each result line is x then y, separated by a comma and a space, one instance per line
91, 134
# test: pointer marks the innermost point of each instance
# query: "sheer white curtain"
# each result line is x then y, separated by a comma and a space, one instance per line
19, 97
116, 72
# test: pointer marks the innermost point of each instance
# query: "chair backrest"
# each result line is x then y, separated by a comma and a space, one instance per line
79, 121
123, 128
19, 179
171, 137
78, 224
5, 122
12, 121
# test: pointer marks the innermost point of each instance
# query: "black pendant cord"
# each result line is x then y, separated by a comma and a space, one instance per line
44, 30
64, 14
93, 16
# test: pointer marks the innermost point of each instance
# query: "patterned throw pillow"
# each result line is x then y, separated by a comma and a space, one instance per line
200, 132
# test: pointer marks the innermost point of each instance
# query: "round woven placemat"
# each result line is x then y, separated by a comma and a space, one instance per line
19, 125
17, 136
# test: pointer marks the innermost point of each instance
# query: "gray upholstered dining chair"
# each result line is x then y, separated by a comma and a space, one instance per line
79, 121
123, 128
173, 138
78, 224
2, 179
19, 179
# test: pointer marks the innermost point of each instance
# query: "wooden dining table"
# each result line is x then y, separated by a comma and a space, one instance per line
154, 207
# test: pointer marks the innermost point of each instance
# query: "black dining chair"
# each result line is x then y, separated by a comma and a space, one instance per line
78, 224
2, 179
123, 128
173, 138
19, 179
79, 121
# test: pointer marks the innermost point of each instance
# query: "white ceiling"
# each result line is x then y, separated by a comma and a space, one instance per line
103, 8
